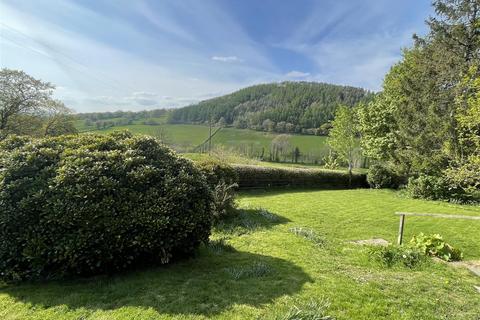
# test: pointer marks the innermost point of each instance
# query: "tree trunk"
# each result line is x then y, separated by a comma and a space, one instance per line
349, 174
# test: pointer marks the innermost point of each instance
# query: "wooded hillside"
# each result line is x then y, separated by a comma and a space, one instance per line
301, 107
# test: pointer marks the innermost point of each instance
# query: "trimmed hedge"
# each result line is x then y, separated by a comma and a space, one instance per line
91, 204
217, 172
250, 177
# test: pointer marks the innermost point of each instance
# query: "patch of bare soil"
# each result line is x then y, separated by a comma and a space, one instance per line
372, 242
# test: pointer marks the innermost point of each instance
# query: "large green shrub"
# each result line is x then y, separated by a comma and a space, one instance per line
435, 188
89, 204
266, 177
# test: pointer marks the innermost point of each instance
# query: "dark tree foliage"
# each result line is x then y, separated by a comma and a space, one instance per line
280, 107
416, 125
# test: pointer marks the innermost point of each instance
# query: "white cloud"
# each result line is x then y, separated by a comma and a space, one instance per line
226, 58
297, 74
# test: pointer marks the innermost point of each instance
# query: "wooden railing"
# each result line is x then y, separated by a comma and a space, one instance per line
434, 215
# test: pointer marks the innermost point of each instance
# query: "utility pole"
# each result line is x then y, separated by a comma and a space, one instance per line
210, 136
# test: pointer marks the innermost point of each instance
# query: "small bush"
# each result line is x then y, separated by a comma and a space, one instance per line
464, 180
223, 200
434, 245
392, 255
427, 187
222, 179
266, 177
90, 204
330, 162
379, 176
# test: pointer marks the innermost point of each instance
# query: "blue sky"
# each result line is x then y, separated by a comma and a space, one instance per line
134, 55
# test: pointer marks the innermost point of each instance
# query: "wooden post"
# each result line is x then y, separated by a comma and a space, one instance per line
400, 229
210, 137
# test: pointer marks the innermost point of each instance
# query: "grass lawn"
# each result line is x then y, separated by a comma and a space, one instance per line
258, 269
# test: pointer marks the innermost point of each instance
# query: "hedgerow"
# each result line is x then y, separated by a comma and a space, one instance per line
90, 204
265, 177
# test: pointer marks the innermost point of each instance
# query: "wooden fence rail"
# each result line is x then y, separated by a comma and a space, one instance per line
434, 215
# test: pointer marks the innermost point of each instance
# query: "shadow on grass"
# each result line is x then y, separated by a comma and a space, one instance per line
249, 220
204, 285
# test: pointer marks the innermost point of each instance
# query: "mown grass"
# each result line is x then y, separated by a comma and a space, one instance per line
257, 268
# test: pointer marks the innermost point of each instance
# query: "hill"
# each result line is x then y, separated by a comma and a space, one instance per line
291, 107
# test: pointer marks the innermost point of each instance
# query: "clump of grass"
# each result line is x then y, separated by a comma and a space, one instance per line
393, 255
219, 246
310, 310
268, 215
256, 270
245, 221
309, 234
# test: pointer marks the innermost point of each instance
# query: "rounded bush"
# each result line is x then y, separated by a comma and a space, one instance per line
427, 187
90, 204
380, 176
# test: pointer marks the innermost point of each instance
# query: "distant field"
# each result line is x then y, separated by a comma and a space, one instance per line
185, 137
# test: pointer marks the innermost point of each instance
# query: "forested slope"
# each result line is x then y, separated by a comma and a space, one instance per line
282, 107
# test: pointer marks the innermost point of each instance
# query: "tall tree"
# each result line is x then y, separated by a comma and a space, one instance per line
57, 120
465, 171
413, 122
27, 107
343, 135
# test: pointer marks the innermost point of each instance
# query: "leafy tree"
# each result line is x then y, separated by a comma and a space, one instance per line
343, 135
279, 146
465, 172
21, 97
424, 123
376, 125
27, 107
413, 122
57, 120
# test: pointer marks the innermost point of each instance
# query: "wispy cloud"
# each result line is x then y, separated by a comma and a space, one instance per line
227, 58
297, 74
148, 54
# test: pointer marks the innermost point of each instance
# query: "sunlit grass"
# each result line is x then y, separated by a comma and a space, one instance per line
257, 268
